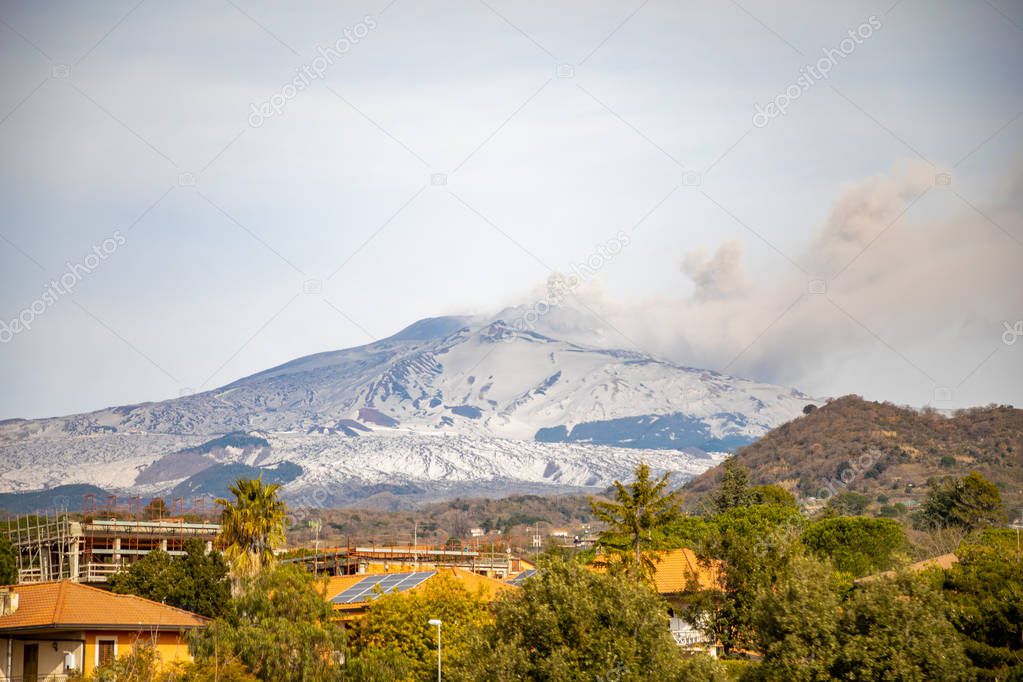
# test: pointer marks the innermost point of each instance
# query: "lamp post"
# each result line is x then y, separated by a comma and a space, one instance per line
436, 623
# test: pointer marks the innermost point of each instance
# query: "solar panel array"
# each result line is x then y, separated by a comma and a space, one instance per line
366, 589
522, 577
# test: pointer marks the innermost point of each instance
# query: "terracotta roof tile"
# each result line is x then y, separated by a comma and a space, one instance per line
944, 562
678, 567
473, 582
673, 570
66, 604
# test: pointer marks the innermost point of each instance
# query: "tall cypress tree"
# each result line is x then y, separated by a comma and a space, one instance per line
734, 490
640, 509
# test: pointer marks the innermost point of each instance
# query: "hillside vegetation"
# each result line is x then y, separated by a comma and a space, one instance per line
512, 519
885, 451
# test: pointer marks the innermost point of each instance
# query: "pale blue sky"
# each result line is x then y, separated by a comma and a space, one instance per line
107, 108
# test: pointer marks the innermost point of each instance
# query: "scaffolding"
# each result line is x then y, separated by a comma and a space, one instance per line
495, 564
357, 559
45, 547
102, 541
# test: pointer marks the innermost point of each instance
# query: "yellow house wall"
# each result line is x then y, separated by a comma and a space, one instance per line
170, 646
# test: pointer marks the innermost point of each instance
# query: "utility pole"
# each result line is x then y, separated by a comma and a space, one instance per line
316, 526
436, 623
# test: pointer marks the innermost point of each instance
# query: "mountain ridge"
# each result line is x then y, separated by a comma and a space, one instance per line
882, 450
523, 395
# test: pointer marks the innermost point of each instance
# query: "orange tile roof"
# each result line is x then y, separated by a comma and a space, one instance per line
64, 604
944, 562
474, 582
675, 568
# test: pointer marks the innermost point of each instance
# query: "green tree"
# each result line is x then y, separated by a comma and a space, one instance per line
971, 502
385, 664
401, 621
702, 668
154, 576
197, 671
141, 664
795, 623
8, 562
856, 545
734, 490
684, 531
898, 630
196, 582
812, 626
755, 543
773, 494
279, 627
890, 511
251, 526
848, 503
569, 623
635, 521
984, 592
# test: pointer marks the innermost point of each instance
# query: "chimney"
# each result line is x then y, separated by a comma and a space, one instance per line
8, 602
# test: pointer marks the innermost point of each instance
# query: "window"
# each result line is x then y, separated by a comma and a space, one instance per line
106, 651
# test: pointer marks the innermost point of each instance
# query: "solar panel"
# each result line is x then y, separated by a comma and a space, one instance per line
522, 577
366, 589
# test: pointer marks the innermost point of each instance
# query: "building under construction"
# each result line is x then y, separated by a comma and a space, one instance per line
374, 559
93, 547
100, 541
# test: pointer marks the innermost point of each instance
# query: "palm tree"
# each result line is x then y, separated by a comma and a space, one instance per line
639, 509
251, 526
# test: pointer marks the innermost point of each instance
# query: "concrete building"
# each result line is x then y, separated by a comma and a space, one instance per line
49, 548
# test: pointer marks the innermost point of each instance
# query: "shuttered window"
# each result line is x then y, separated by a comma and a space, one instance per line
107, 650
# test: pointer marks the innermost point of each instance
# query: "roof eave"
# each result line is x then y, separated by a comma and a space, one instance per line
100, 626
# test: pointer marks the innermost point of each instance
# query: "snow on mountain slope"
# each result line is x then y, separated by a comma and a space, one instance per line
493, 379
446, 402
336, 469
432, 466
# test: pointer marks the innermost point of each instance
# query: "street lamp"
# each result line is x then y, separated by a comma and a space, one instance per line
436, 623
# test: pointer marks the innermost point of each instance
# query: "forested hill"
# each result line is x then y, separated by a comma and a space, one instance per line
884, 450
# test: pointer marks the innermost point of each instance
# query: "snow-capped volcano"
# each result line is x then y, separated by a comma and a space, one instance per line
419, 409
